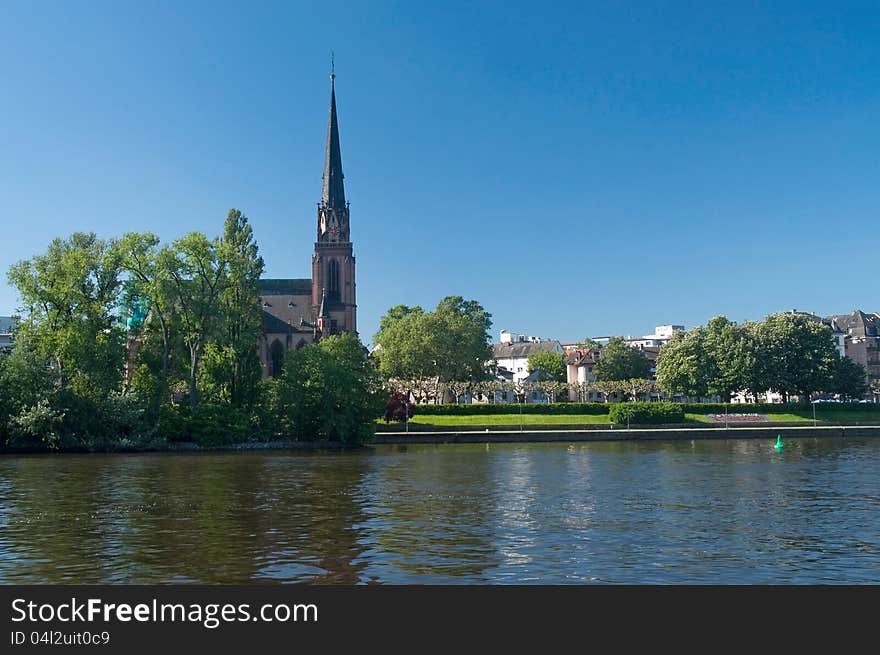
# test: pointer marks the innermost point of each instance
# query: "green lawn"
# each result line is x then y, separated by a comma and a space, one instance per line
489, 420
513, 419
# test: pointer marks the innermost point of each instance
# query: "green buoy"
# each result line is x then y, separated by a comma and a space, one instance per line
778, 445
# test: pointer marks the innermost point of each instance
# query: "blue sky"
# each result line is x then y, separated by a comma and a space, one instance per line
579, 168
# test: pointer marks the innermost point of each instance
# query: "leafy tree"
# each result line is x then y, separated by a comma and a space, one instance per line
70, 296
619, 361
398, 408
330, 390
25, 382
754, 368
848, 379
726, 358
460, 332
551, 364
799, 354
447, 345
198, 273
240, 308
635, 387
140, 258
610, 388
683, 365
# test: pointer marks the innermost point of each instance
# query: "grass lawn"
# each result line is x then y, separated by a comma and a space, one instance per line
513, 419
489, 420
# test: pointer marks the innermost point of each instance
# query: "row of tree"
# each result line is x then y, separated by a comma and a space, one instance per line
791, 354
112, 332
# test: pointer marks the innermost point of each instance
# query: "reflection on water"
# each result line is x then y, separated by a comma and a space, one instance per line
674, 512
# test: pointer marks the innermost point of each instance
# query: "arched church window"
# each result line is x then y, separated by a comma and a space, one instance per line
276, 358
333, 279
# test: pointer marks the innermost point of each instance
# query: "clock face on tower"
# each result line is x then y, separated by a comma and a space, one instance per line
334, 233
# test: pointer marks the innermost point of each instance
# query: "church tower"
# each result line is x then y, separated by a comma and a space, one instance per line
333, 284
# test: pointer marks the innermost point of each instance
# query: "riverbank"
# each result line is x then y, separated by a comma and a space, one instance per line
189, 447
419, 434
652, 433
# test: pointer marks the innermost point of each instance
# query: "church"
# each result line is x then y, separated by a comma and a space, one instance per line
301, 311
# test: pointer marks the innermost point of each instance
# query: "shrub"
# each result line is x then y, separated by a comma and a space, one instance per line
398, 408
645, 413
514, 408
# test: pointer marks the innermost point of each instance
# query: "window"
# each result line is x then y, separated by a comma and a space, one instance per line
333, 279
276, 358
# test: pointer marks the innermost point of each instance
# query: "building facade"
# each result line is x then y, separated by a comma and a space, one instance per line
301, 311
511, 355
858, 334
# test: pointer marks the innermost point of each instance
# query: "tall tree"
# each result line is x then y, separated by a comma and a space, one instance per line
198, 273
330, 390
726, 358
619, 361
70, 297
140, 258
799, 354
449, 344
240, 307
683, 365
848, 379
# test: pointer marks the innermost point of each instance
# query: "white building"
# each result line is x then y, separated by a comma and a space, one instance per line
662, 335
513, 351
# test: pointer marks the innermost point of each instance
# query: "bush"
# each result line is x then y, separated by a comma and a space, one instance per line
643, 413
173, 424
773, 408
398, 408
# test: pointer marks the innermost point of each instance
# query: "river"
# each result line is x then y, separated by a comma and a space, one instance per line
704, 512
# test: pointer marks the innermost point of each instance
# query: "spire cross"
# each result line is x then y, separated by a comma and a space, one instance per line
332, 67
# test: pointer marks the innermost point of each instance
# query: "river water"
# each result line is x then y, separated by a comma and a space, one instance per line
704, 512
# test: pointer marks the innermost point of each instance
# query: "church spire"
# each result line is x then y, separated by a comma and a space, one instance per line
333, 194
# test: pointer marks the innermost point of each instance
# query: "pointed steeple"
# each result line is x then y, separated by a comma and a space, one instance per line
323, 313
333, 194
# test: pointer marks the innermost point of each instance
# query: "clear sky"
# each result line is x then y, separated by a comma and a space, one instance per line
581, 169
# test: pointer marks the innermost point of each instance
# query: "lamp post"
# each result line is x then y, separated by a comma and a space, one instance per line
813, 403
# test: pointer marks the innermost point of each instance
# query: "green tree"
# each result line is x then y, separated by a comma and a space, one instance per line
403, 349
551, 364
198, 274
450, 344
140, 258
330, 390
683, 365
240, 309
619, 361
589, 344
70, 297
848, 379
25, 382
754, 366
726, 358
799, 354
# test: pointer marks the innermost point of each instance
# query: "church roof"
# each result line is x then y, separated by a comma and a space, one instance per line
274, 325
274, 286
333, 192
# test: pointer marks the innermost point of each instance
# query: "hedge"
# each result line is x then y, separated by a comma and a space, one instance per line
646, 413
512, 408
774, 408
